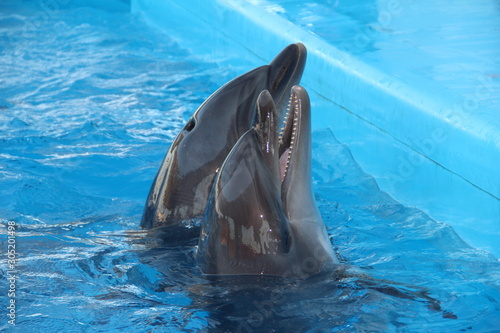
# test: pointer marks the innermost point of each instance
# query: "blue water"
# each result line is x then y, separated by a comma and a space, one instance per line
90, 99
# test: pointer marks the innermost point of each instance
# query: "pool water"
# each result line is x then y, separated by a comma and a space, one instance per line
90, 99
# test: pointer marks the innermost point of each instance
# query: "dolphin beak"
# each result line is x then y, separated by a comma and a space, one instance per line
285, 71
266, 129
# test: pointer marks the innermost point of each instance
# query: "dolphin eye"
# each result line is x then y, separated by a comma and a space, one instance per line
190, 125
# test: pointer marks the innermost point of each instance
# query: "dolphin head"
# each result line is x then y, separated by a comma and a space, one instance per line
261, 217
182, 185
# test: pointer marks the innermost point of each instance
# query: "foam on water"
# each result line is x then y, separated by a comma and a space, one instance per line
90, 99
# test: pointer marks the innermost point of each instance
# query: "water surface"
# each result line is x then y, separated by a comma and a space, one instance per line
90, 99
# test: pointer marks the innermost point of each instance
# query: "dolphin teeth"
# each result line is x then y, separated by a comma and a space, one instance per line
295, 103
285, 122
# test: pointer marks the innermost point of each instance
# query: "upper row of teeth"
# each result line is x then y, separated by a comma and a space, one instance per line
285, 119
294, 128
282, 131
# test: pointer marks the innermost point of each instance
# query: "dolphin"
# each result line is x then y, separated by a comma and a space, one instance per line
262, 218
183, 183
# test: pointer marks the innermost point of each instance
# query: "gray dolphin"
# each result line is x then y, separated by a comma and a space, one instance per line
182, 185
262, 217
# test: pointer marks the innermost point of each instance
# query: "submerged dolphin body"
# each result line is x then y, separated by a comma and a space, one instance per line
182, 185
261, 217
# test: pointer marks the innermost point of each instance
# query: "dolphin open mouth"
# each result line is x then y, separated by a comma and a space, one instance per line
288, 133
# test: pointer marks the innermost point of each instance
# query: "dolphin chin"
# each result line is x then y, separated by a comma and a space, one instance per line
261, 218
182, 185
